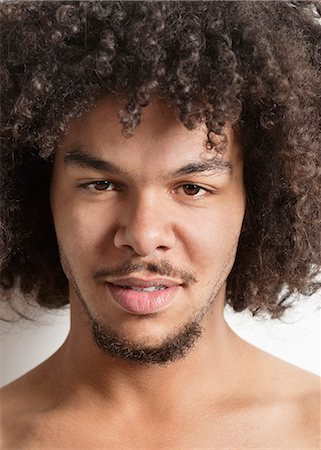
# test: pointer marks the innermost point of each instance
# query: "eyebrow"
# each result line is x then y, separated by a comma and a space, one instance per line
210, 167
80, 158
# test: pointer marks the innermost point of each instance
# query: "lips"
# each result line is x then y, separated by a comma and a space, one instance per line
143, 302
142, 283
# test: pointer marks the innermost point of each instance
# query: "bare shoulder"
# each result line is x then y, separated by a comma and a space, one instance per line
16, 404
279, 378
31, 391
298, 392
294, 381
21, 401
20, 394
309, 405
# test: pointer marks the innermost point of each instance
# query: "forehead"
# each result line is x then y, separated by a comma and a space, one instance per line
160, 137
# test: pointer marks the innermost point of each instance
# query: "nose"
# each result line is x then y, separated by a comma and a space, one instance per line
145, 227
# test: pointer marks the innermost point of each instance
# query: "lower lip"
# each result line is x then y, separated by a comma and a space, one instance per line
142, 302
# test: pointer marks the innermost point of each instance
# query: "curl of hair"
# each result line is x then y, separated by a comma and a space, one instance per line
255, 65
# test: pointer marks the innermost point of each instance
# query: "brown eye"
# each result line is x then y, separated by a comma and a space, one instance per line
102, 185
191, 189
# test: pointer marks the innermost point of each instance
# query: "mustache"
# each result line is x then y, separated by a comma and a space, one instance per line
163, 268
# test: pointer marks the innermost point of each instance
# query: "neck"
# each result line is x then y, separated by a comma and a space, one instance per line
215, 365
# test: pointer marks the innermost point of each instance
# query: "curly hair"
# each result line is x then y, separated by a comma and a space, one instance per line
255, 65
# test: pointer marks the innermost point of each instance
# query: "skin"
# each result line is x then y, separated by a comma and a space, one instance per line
223, 393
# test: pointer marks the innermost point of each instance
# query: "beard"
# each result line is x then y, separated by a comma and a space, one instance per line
173, 348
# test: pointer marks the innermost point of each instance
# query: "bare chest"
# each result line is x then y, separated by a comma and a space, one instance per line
211, 431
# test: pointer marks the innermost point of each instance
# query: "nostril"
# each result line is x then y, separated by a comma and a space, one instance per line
143, 242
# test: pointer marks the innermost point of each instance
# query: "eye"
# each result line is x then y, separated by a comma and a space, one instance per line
100, 185
192, 190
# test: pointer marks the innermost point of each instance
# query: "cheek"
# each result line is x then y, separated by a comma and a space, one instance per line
82, 231
211, 238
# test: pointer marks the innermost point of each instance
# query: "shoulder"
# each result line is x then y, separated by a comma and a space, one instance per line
286, 399
282, 380
298, 394
16, 406
33, 391
306, 410
278, 378
309, 406
295, 382
13, 404
19, 394
22, 403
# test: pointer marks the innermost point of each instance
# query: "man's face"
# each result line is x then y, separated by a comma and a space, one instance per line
141, 212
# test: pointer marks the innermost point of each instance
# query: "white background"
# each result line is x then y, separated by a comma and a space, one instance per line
294, 338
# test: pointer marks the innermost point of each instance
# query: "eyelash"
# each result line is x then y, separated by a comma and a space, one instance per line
91, 186
207, 191
87, 186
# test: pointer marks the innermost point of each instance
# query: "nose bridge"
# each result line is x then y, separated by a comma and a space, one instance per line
143, 205
145, 225
145, 216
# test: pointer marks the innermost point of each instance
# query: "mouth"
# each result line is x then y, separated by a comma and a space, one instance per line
143, 296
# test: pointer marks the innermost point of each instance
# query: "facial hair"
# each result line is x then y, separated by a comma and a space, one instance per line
172, 349
175, 347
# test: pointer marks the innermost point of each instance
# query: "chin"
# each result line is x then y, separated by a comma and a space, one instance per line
150, 347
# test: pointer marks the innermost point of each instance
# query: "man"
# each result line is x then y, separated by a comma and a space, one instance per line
177, 147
